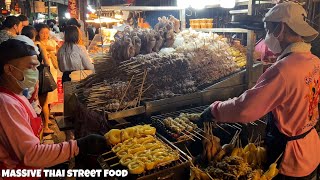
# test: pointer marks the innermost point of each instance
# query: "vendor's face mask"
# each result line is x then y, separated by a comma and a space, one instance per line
272, 42
30, 78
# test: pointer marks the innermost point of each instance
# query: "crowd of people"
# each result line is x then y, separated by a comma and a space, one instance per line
65, 58
29, 55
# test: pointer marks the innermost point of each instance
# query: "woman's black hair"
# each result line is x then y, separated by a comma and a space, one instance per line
23, 18
73, 21
10, 21
71, 35
29, 31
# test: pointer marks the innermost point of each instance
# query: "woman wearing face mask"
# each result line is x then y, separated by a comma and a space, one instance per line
288, 92
20, 128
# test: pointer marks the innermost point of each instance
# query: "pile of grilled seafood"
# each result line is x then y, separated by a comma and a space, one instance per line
139, 150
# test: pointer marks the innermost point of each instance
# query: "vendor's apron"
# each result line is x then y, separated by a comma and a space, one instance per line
36, 125
276, 141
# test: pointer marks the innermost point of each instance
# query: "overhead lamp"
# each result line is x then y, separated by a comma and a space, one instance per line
227, 3
67, 15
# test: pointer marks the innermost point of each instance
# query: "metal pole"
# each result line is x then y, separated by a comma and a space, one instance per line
250, 48
99, 16
49, 6
183, 18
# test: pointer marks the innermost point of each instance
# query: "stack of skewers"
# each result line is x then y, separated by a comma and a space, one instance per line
180, 128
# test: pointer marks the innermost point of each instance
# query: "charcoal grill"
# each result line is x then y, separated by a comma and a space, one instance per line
179, 169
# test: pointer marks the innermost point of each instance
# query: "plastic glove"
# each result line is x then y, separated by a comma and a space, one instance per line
206, 116
92, 144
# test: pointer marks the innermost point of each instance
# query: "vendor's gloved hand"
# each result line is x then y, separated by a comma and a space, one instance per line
206, 116
92, 144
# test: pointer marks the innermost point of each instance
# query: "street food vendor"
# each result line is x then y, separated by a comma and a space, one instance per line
288, 92
20, 127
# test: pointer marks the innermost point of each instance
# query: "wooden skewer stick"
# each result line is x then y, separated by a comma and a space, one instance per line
209, 176
278, 158
141, 90
188, 152
116, 164
106, 153
125, 92
110, 158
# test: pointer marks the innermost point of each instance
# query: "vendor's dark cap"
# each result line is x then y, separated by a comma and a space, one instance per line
14, 49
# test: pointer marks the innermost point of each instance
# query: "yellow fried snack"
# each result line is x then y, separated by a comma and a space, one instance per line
147, 130
150, 145
122, 153
128, 133
141, 154
136, 148
136, 167
129, 142
149, 162
146, 139
117, 148
113, 136
162, 157
126, 159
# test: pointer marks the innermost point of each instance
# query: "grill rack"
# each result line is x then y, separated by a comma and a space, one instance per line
163, 130
250, 130
173, 170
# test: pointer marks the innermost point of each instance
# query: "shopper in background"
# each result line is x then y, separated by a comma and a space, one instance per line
50, 47
75, 22
11, 28
73, 56
288, 92
53, 26
20, 128
24, 20
31, 33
